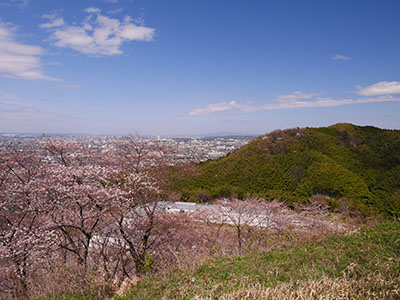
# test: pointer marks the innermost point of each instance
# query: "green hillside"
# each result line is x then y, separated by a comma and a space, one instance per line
353, 164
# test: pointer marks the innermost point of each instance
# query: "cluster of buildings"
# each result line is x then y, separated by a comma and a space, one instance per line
202, 149
185, 149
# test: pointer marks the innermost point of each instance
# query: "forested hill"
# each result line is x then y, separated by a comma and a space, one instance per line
359, 165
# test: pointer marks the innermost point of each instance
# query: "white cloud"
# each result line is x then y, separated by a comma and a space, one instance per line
380, 88
115, 11
291, 101
19, 60
99, 34
295, 96
54, 23
50, 16
340, 57
92, 10
218, 107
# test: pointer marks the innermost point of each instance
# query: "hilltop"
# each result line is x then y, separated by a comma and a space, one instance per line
351, 165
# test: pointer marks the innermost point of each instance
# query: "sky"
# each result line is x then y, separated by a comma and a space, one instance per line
187, 67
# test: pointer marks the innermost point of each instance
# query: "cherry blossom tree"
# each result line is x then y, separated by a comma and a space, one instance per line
137, 154
64, 203
22, 219
57, 195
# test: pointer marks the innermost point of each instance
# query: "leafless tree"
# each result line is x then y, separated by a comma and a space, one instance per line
251, 215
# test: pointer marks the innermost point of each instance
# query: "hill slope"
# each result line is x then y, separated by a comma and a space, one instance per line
360, 266
361, 164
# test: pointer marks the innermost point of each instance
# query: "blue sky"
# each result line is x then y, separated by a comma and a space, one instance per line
185, 67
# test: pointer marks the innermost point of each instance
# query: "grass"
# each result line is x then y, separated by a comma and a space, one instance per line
372, 286
364, 264
367, 262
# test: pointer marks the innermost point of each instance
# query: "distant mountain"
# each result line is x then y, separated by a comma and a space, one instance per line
358, 165
216, 134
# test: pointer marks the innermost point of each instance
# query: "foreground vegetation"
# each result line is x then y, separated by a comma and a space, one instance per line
353, 165
362, 265
79, 223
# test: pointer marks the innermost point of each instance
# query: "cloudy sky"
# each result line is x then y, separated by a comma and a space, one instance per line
179, 67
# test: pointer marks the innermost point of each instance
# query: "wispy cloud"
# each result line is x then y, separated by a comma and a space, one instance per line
219, 107
50, 16
12, 108
295, 96
291, 101
380, 88
18, 109
98, 34
18, 60
15, 3
92, 10
340, 57
53, 23
115, 11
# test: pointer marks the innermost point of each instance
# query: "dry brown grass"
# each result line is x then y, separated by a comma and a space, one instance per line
70, 279
369, 287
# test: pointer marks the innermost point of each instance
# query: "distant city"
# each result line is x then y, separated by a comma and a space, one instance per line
186, 149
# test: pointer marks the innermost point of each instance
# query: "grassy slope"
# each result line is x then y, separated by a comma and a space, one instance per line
343, 160
372, 253
363, 265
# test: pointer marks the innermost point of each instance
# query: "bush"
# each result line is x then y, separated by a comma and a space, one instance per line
202, 196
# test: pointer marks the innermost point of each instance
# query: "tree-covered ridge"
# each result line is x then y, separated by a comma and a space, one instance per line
343, 161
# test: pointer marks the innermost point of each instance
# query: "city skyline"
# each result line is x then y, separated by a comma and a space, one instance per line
185, 68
